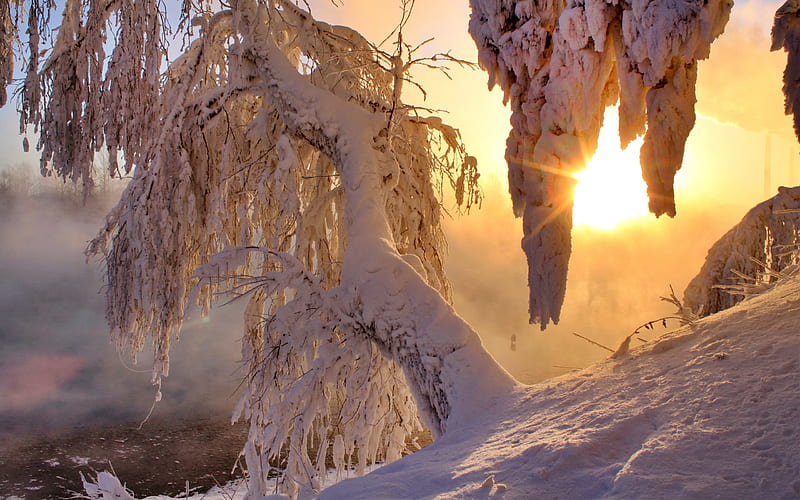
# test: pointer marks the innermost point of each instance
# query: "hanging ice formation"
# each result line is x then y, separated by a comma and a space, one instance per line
786, 35
560, 64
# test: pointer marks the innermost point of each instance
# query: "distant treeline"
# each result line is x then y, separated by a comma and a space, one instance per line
23, 181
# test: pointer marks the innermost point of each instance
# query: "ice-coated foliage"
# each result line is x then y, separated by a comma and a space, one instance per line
560, 63
7, 40
272, 160
786, 35
79, 100
750, 257
105, 486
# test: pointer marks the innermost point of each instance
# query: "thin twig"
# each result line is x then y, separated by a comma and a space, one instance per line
598, 344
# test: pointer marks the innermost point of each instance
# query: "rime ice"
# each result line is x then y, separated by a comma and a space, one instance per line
560, 64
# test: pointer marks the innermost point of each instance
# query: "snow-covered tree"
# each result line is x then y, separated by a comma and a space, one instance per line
274, 160
752, 256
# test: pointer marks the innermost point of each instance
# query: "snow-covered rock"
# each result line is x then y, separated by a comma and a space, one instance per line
750, 257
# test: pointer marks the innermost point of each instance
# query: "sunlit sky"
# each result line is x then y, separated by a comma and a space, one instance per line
623, 258
738, 94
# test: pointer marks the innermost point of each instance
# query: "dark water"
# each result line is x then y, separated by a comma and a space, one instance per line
58, 367
159, 458
62, 381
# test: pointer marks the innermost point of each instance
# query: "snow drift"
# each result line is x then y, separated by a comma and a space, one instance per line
707, 411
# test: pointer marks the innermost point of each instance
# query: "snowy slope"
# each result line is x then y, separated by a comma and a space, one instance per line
709, 411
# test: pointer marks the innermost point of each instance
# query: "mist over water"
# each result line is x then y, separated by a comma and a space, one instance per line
615, 282
58, 368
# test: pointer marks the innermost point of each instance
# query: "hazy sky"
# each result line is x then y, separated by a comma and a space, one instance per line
616, 275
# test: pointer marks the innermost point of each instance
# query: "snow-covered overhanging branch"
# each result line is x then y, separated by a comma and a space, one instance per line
560, 64
786, 35
383, 292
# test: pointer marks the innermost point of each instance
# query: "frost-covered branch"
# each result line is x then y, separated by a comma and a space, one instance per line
560, 64
8, 36
381, 282
312, 387
750, 256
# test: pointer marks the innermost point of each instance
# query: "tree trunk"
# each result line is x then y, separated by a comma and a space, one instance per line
449, 372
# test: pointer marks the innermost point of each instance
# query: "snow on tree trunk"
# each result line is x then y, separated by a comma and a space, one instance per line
786, 35
560, 63
383, 296
387, 298
750, 256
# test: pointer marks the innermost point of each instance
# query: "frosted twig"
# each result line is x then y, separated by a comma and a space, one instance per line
598, 344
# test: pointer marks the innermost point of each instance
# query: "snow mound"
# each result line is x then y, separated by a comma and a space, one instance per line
105, 486
708, 411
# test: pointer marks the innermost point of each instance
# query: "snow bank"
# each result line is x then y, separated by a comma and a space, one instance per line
707, 411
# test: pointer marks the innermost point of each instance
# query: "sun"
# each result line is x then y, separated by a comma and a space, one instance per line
610, 190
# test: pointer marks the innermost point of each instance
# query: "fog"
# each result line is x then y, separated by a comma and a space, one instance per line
57, 366
615, 282
741, 81
59, 369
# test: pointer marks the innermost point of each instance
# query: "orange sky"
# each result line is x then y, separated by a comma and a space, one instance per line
739, 84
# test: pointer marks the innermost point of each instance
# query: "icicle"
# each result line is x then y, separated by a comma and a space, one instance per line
560, 63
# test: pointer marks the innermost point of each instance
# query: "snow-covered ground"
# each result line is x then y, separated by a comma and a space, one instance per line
106, 486
710, 410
